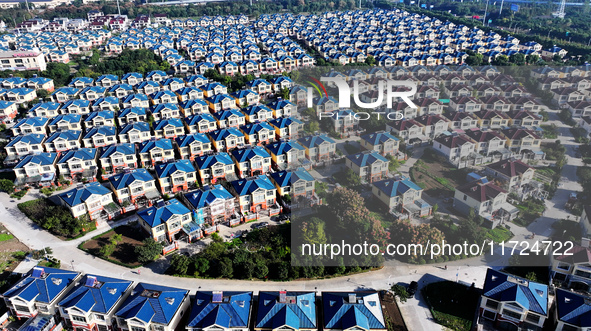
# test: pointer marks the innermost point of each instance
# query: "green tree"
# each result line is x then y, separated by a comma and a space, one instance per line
179, 264
284, 93
225, 268
261, 270
370, 60
400, 292
6, 185
517, 58
148, 251
312, 231
201, 266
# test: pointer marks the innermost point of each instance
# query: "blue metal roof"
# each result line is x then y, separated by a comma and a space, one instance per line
133, 110
507, 288
70, 118
245, 154
125, 149
315, 141
197, 118
148, 145
167, 169
221, 134
283, 147
393, 187
158, 304
253, 128
366, 159
175, 122
206, 161
40, 159
207, 195
298, 312
285, 178
83, 154
80, 195
254, 109
67, 135
99, 296
247, 186
141, 126
232, 312
378, 137
44, 288
224, 114
34, 121
186, 140
103, 129
573, 308
344, 310
157, 215
125, 179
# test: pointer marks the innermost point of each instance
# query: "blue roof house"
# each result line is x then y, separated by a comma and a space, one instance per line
165, 220
93, 199
153, 307
513, 301
93, 302
39, 291
287, 311
401, 195
352, 311
221, 310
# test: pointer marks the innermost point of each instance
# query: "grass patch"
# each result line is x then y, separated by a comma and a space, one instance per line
124, 253
452, 304
56, 219
529, 210
499, 234
5, 236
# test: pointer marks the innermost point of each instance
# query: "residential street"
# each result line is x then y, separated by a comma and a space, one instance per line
415, 310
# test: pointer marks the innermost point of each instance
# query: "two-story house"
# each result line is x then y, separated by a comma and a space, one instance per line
36, 169
401, 195
93, 199
176, 176
153, 152
515, 302
136, 187
78, 163
153, 307
164, 220
39, 292
318, 148
370, 166
212, 205
92, 304
486, 199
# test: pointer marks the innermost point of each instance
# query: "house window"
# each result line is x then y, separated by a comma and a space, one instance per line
492, 304
135, 328
465, 197
78, 318
533, 318
511, 314
489, 314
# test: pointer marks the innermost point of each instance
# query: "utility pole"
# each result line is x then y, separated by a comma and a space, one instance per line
501, 10
118, 8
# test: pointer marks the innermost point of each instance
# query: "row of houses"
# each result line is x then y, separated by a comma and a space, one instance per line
228, 47
48, 297
476, 146
53, 46
34, 155
396, 37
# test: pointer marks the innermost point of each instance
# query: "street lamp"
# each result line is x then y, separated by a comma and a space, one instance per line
72, 264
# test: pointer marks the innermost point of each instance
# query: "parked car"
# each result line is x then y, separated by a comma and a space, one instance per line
412, 288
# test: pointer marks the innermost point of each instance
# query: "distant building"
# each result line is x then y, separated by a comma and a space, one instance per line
22, 60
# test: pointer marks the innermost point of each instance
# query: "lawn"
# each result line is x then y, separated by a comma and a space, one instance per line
452, 304
499, 234
124, 251
433, 173
529, 210
5, 236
